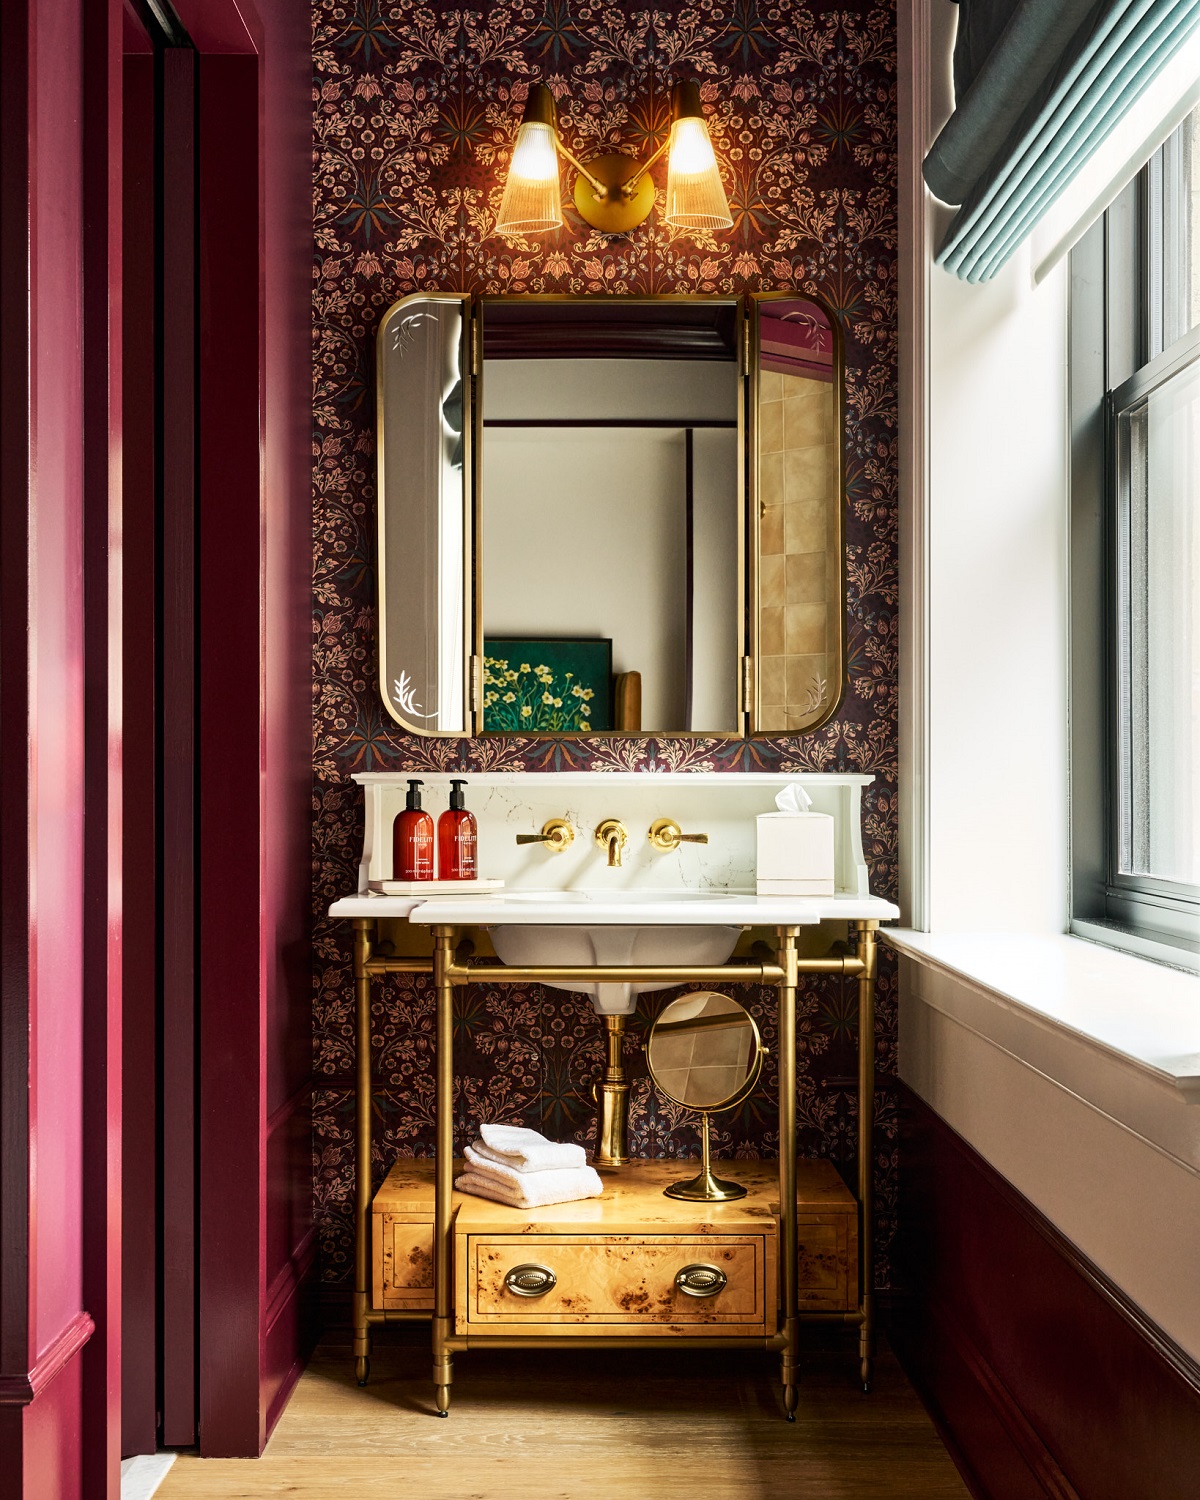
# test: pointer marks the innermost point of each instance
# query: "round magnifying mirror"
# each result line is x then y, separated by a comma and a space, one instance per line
705, 1053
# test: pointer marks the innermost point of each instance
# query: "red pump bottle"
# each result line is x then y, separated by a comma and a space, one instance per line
458, 838
412, 839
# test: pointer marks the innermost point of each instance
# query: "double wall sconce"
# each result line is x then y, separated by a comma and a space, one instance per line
613, 193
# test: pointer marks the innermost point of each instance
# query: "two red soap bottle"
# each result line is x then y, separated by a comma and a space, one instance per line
412, 839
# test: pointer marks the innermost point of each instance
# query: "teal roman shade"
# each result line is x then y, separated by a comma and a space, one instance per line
1039, 84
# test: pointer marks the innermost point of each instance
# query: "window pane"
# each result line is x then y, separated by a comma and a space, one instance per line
1181, 231
1159, 633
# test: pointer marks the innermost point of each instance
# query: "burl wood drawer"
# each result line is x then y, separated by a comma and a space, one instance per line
402, 1238
617, 1283
403, 1263
827, 1255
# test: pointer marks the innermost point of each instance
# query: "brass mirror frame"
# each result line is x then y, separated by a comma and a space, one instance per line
704, 1187
754, 360
749, 509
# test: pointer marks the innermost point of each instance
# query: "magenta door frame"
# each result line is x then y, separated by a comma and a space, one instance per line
61, 732
140, 1023
256, 1244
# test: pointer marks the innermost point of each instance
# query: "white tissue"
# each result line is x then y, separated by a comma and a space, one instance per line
793, 799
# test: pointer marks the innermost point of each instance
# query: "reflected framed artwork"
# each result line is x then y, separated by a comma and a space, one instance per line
555, 686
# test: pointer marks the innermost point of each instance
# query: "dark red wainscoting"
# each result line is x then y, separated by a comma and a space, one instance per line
1044, 1378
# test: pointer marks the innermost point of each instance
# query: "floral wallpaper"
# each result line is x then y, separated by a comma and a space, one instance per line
415, 110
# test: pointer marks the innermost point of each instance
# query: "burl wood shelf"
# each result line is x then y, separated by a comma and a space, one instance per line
615, 1258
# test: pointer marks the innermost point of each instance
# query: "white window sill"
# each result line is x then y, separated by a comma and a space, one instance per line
1119, 1032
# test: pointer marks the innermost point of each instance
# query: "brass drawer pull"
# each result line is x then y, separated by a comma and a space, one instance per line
701, 1280
532, 1280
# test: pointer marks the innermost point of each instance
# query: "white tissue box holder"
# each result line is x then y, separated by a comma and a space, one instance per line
795, 854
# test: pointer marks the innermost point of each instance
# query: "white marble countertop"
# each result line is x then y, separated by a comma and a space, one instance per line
597, 908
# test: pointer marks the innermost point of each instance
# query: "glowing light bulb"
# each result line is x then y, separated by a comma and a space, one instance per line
691, 149
535, 158
532, 201
695, 196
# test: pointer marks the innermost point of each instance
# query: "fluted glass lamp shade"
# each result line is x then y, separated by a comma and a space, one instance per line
695, 196
532, 201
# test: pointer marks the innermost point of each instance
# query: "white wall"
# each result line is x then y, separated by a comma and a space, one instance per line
984, 516
574, 547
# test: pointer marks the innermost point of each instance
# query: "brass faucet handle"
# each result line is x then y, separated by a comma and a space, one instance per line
556, 834
666, 834
611, 836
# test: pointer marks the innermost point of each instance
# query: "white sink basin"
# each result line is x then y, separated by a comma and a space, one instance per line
519, 944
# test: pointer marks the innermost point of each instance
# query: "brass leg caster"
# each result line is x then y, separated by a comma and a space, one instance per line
442, 1396
362, 1369
791, 1400
865, 1374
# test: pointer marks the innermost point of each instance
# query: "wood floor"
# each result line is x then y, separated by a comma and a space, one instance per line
592, 1426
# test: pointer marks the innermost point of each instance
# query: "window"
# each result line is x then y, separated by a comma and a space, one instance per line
1135, 397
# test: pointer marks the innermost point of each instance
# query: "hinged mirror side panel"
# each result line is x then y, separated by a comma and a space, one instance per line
425, 518
797, 513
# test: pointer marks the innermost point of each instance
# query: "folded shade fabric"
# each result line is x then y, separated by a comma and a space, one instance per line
1005, 166
533, 1189
525, 1150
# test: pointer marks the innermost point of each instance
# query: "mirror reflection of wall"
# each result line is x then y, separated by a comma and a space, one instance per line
610, 500
800, 536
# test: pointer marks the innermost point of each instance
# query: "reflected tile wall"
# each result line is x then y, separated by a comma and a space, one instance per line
799, 577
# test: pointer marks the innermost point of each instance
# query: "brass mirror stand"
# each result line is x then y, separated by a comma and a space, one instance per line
705, 1053
705, 1188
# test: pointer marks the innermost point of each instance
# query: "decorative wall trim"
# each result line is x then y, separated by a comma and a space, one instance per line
1044, 1378
20, 1390
290, 1277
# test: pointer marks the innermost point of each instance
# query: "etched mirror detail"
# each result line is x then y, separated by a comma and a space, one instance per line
424, 534
798, 465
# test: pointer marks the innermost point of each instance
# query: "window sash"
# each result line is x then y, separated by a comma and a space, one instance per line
1141, 900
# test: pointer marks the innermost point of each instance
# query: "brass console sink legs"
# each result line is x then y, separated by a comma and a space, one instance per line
788, 1248
612, 1097
867, 952
443, 1226
363, 929
612, 1145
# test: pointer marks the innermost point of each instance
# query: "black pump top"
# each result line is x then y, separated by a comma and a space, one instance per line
457, 802
413, 801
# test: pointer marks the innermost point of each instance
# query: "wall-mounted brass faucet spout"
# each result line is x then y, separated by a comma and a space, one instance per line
611, 836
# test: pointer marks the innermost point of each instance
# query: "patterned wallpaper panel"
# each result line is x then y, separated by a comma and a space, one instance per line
415, 112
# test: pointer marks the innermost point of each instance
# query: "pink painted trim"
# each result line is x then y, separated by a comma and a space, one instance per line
20, 1390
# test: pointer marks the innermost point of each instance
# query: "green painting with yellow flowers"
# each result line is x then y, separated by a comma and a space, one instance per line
547, 686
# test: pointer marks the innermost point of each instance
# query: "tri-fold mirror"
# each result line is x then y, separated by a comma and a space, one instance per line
607, 515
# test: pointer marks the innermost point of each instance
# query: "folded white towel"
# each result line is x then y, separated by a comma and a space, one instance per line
534, 1190
479, 1164
525, 1150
